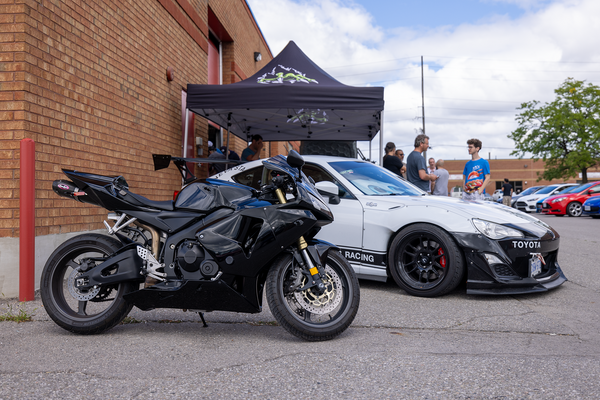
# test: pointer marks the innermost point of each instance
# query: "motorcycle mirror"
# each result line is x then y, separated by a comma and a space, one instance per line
295, 160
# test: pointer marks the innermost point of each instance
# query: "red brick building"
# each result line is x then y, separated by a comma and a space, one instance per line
522, 174
99, 85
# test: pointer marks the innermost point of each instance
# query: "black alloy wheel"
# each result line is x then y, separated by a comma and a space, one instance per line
307, 314
425, 261
81, 311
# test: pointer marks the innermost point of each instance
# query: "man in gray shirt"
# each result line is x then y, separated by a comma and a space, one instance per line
416, 168
440, 186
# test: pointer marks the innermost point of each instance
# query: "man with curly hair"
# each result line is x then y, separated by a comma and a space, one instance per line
476, 174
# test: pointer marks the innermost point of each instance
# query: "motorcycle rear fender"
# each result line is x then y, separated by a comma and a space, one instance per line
129, 268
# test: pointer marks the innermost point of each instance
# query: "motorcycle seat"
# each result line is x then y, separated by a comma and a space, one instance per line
139, 200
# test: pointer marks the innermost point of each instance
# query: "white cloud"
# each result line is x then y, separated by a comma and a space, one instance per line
476, 75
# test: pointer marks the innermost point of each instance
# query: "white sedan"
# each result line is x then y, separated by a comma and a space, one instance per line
386, 226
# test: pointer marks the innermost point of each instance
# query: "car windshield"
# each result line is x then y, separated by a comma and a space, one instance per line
546, 190
570, 189
372, 180
583, 187
531, 190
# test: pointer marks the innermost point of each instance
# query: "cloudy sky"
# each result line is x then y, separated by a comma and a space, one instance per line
482, 59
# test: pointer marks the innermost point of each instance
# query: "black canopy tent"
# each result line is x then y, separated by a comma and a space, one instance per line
291, 98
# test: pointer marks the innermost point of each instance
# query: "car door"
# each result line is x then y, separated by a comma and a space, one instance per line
346, 231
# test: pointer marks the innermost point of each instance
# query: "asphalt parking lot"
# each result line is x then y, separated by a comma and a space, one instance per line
540, 346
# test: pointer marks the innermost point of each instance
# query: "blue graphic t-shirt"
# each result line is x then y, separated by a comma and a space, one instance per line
475, 172
246, 153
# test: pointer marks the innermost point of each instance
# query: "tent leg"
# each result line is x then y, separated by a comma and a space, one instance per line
227, 150
185, 133
185, 139
381, 141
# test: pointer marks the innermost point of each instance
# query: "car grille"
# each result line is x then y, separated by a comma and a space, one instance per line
521, 204
521, 264
594, 208
545, 205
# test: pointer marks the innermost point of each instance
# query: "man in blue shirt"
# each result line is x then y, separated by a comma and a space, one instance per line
476, 174
252, 152
416, 167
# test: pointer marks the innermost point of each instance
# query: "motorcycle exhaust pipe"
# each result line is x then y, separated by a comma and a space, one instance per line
67, 189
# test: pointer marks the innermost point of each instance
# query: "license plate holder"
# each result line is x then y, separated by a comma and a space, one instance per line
535, 264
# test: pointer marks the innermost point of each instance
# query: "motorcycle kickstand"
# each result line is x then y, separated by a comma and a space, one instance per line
203, 321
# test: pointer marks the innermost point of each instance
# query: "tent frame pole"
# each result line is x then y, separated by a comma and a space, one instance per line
185, 133
381, 141
185, 136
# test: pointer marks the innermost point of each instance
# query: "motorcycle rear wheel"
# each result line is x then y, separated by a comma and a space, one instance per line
84, 312
307, 315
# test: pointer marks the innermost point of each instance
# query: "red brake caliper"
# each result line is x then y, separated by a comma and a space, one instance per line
443, 259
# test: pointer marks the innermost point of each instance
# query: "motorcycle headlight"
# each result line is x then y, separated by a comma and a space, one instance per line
319, 204
557, 200
495, 231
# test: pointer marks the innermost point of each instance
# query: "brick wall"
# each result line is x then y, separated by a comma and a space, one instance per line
86, 80
525, 170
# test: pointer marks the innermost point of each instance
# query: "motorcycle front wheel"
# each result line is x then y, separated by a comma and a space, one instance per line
305, 313
83, 311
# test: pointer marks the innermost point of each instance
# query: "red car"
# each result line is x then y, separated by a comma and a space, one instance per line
570, 203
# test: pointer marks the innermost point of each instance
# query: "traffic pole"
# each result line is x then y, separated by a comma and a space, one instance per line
27, 222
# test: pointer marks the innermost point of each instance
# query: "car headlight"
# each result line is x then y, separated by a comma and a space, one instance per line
557, 200
534, 200
495, 231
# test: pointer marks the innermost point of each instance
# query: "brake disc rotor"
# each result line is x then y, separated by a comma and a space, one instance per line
326, 302
77, 293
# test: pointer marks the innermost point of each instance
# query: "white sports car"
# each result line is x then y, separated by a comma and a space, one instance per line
386, 226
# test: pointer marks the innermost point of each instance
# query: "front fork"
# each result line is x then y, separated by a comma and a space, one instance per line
308, 264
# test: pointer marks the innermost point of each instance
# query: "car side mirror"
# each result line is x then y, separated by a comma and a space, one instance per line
330, 190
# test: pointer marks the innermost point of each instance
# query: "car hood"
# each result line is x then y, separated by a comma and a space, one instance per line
486, 210
539, 197
556, 196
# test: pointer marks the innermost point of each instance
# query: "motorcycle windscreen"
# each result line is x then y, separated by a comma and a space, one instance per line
279, 163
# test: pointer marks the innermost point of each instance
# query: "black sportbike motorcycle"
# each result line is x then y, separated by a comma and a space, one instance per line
217, 246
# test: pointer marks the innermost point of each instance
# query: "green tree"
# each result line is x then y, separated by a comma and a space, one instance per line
564, 133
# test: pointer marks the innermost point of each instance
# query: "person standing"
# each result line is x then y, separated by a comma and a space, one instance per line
440, 186
430, 169
400, 155
476, 174
416, 168
507, 191
252, 152
215, 153
390, 161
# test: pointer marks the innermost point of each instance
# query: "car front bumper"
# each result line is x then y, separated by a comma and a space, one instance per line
554, 208
504, 266
593, 210
524, 206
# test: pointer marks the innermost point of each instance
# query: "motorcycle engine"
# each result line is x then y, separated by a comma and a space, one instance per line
191, 258
190, 255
